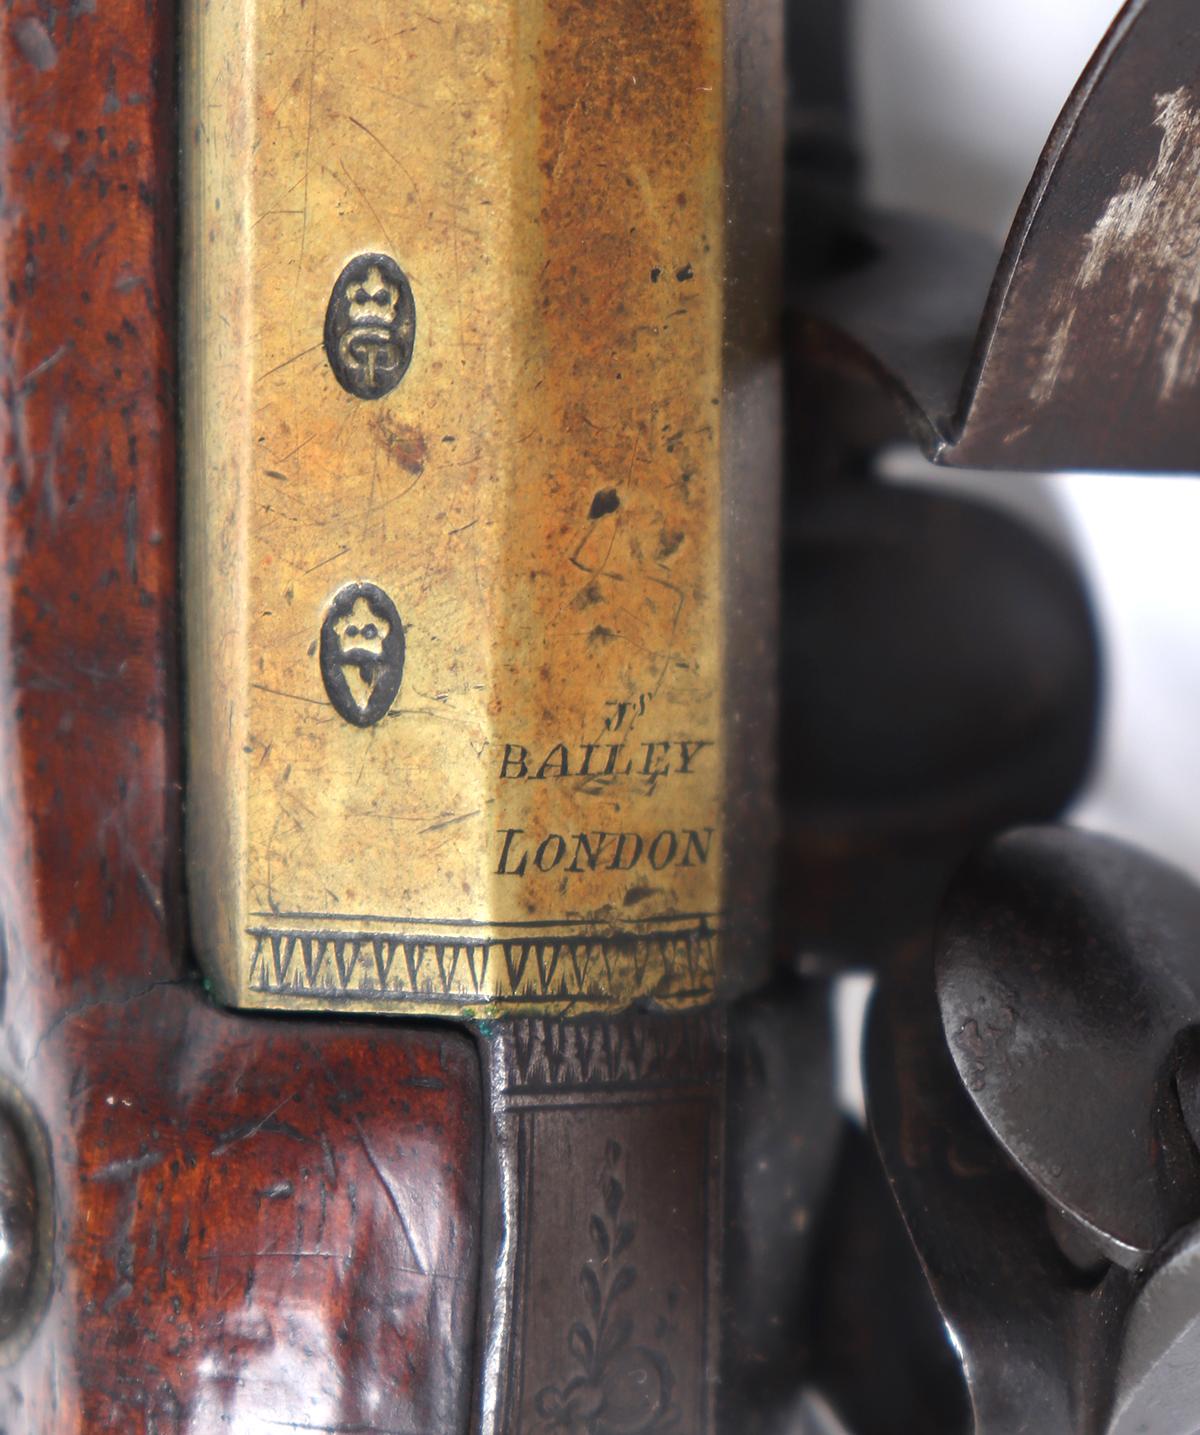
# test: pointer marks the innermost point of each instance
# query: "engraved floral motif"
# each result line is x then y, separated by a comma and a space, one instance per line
622, 1388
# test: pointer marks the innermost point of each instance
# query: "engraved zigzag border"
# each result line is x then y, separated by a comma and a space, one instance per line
670, 964
549, 1053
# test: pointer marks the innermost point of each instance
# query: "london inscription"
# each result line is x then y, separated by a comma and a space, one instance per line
602, 851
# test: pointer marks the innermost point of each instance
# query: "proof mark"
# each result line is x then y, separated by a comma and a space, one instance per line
362, 653
370, 326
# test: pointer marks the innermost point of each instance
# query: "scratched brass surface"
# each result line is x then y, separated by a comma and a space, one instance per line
526, 538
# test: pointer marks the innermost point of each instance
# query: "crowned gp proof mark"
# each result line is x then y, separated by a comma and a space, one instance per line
370, 326
362, 653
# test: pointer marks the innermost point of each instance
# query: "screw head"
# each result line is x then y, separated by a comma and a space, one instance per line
18, 1226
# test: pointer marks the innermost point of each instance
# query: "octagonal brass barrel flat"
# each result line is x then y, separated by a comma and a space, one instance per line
481, 451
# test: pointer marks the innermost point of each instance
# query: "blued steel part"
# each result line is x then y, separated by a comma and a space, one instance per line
822, 157
562, 803
783, 1127
1087, 355
1036, 1338
751, 451
893, 320
602, 1224
881, 1355
26, 1222
1157, 1375
1067, 973
1187, 1081
966, 702
814, 1416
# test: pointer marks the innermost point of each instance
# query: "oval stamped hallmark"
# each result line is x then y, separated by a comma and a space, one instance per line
370, 326
362, 653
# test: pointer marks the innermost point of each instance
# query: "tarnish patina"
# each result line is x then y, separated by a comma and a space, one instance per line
535, 819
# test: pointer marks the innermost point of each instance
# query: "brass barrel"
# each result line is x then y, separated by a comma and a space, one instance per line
481, 434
